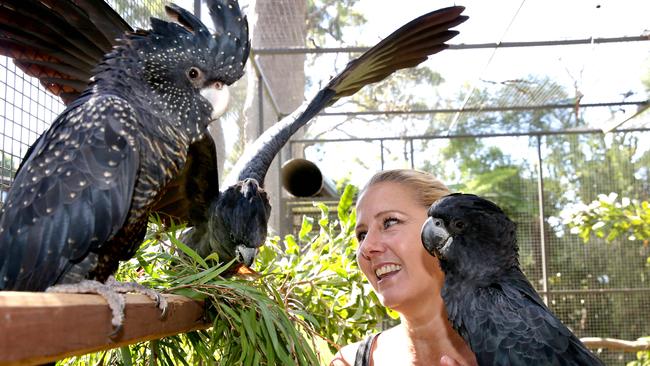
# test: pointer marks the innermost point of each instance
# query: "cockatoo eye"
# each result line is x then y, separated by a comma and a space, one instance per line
193, 73
458, 224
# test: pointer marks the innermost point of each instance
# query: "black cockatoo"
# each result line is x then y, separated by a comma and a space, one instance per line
231, 222
81, 200
489, 300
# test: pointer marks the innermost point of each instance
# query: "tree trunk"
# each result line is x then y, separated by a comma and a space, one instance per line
274, 23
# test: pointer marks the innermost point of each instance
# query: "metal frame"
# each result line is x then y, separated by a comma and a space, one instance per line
468, 46
264, 87
544, 290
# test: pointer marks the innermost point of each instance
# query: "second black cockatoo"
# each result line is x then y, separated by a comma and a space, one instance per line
81, 200
489, 300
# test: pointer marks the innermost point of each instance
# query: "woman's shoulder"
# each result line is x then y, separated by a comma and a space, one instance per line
346, 355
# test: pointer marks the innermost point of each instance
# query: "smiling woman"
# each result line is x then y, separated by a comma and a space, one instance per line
391, 210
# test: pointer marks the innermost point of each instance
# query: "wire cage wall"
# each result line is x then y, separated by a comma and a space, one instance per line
599, 288
27, 109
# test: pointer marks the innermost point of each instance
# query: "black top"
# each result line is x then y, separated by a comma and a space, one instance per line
363, 352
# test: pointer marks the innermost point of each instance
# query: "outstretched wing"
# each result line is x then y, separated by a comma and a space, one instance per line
72, 194
406, 47
59, 41
510, 325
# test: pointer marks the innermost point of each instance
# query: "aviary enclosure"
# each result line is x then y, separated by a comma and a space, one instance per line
533, 144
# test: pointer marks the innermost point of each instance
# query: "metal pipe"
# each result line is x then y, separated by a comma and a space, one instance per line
486, 135
267, 87
412, 154
542, 236
260, 104
303, 178
197, 8
487, 109
381, 147
464, 46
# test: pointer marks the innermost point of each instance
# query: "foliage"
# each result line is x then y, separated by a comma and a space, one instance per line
7, 167
329, 17
307, 292
642, 357
610, 219
318, 270
251, 323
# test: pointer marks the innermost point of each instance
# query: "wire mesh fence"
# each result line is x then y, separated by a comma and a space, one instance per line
26, 110
598, 288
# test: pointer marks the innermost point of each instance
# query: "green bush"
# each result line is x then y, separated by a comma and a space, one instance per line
307, 297
610, 219
642, 357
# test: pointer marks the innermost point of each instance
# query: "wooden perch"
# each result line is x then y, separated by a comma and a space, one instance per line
616, 344
43, 327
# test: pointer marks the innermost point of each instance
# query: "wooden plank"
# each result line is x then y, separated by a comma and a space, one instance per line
43, 327
616, 344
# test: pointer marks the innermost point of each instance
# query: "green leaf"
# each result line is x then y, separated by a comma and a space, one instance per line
126, 356
266, 317
345, 203
206, 275
306, 227
188, 251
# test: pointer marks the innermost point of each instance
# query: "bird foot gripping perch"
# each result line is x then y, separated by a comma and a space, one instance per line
112, 290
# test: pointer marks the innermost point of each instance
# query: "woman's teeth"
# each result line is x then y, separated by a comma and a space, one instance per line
387, 269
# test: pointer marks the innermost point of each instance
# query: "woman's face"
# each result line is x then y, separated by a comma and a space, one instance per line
391, 255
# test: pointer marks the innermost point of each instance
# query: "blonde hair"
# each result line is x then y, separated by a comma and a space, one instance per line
426, 188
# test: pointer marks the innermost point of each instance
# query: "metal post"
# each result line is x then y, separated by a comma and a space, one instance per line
542, 236
260, 105
381, 147
283, 212
197, 8
412, 154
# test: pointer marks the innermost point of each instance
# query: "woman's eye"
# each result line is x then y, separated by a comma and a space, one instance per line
390, 221
361, 236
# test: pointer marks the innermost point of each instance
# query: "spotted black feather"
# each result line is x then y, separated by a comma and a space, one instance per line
82, 197
489, 300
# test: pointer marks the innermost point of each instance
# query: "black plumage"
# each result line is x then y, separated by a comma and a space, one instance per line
59, 42
80, 201
233, 222
233, 225
489, 300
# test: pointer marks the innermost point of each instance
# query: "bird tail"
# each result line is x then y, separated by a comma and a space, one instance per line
406, 47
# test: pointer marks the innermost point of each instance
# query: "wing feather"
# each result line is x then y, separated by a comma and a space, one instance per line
59, 41
401, 49
506, 326
72, 194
